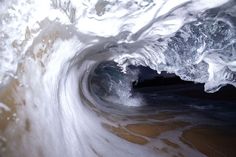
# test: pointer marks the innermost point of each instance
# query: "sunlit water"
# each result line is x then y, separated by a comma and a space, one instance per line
66, 80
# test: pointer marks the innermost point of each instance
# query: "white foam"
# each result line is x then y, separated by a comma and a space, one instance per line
4, 107
60, 120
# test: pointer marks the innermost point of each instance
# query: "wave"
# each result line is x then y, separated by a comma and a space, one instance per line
72, 60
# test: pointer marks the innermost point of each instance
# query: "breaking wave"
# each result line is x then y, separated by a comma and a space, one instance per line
72, 61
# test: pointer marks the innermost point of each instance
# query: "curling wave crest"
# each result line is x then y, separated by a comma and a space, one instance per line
55, 49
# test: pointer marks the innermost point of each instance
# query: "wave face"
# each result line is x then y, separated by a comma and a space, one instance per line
71, 61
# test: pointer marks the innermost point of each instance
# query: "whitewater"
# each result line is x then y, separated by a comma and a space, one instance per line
67, 63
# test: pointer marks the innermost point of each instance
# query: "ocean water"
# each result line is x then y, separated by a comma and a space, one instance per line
68, 71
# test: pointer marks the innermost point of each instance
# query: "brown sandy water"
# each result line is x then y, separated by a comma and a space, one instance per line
7, 98
213, 141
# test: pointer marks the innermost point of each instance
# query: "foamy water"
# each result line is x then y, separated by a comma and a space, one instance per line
50, 51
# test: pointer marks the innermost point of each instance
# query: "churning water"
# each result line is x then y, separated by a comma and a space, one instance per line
66, 76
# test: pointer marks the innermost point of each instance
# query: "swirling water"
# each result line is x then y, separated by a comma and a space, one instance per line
65, 72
